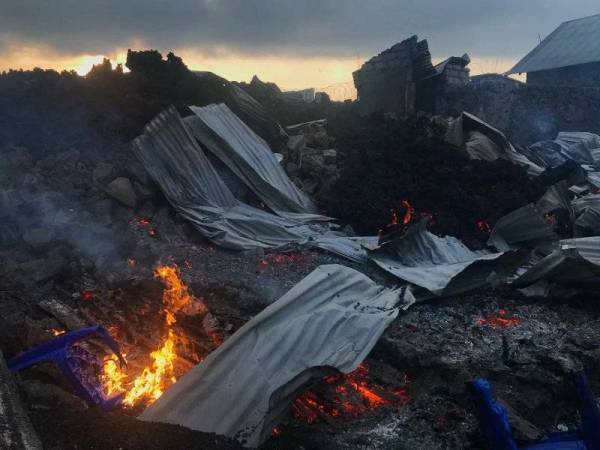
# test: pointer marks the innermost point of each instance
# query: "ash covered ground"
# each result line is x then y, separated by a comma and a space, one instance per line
68, 233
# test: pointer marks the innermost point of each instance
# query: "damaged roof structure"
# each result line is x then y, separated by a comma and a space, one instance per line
569, 56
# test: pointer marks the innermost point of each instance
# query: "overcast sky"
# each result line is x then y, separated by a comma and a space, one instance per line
494, 32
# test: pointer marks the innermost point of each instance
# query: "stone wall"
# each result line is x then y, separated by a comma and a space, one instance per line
525, 113
582, 75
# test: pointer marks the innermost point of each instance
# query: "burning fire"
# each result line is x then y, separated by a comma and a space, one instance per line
483, 226
499, 321
57, 332
159, 374
352, 395
407, 218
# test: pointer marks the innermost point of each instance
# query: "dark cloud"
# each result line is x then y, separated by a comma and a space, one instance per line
494, 28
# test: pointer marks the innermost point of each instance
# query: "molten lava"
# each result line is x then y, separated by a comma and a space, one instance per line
499, 321
147, 386
346, 396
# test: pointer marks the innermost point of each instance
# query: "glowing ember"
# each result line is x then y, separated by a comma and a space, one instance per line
483, 226
144, 223
87, 294
159, 374
57, 332
550, 218
499, 321
280, 259
346, 396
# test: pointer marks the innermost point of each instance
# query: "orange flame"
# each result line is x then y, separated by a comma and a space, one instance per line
409, 211
57, 332
156, 377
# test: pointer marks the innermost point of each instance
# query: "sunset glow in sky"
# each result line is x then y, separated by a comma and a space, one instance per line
294, 43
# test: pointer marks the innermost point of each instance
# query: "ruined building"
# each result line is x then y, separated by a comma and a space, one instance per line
402, 79
569, 56
388, 81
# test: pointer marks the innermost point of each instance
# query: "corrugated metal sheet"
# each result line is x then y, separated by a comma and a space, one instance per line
576, 262
249, 157
574, 42
442, 265
186, 176
331, 319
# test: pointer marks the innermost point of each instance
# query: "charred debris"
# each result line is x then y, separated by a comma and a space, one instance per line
189, 262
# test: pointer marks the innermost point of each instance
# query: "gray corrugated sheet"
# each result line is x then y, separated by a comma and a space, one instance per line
575, 262
183, 172
249, 157
185, 175
521, 226
497, 145
574, 42
331, 319
441, 265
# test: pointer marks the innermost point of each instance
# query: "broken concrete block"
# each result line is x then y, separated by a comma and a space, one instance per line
39, 237
295, 143
321, 139
313, 163
121, 189
330, 155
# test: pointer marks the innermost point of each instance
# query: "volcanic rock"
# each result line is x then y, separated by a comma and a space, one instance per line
121, 189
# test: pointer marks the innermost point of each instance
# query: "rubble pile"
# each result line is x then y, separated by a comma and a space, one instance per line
310, 157
207, 254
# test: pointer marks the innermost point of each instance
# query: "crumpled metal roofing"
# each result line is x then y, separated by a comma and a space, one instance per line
186, 176
573, 42
521, 226
249, 157
440, 265
482, 141
331, 319
575, 262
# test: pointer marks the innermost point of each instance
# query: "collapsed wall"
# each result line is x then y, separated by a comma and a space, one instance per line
387, 82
